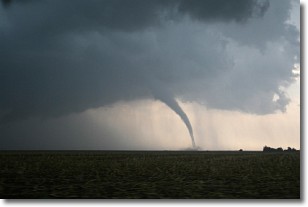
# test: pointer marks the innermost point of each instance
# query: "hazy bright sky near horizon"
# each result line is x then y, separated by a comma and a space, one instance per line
109, 74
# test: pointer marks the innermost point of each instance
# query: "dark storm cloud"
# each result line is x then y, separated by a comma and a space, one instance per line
46, 71
60, 57
128, 15
224, 10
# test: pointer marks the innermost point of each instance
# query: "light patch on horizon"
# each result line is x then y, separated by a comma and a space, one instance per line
236, 130
152, 125
146, 124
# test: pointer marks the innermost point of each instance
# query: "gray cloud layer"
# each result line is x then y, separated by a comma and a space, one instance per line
60, 57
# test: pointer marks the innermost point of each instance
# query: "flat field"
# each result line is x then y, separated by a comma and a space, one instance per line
149, 174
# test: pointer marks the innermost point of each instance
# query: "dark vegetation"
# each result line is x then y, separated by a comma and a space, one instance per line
140, 174
279, 149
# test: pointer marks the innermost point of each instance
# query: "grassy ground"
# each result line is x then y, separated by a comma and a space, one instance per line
149, 175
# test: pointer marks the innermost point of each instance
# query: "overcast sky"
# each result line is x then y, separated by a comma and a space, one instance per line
143, 74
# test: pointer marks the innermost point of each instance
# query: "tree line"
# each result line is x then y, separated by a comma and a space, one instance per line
279, 149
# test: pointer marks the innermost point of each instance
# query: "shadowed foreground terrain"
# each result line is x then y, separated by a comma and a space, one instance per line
162, 174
